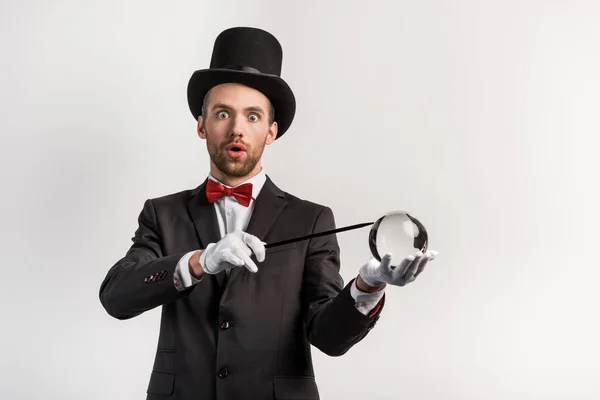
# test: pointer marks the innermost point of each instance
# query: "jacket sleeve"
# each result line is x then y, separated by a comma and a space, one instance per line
143, 279
333, 322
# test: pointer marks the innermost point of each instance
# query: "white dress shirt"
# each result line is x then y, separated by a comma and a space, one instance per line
233, 216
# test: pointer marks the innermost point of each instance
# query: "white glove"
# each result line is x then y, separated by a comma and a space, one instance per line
375, 273
233, 250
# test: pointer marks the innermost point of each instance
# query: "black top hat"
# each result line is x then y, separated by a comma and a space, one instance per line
252, 57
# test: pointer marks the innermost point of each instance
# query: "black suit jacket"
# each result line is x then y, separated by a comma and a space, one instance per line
246, 336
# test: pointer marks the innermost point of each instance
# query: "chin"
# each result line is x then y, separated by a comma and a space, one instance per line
240, 172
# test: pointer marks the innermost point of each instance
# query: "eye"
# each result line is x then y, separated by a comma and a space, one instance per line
253, 117
222, 115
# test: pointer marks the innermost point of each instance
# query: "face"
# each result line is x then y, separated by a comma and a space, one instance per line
236, 128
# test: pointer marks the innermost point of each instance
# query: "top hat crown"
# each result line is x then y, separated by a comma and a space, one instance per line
250, 47
252, 57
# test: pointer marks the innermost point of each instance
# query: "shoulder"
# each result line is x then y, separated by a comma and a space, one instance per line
305, 203
305, 207
176, 202
182, 196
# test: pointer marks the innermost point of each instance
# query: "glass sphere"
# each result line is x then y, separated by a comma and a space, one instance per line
398, 233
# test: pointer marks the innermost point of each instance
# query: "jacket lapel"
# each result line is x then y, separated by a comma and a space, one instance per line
269, 204
205, 220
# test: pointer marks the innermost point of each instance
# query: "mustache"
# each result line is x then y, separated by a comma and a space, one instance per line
224, 145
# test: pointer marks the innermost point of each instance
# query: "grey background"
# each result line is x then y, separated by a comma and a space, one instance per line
480, 117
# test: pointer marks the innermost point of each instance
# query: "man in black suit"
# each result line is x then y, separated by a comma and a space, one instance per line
237, 319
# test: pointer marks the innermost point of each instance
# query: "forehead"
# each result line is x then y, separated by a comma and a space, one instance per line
237, 96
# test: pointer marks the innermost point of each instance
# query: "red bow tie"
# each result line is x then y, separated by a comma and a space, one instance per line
242, 193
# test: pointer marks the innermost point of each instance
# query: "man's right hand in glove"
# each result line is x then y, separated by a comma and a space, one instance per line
233, 250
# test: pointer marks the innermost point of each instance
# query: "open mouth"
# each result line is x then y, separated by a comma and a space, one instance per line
236, 149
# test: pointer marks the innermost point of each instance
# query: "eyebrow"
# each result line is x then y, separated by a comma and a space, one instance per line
251, 108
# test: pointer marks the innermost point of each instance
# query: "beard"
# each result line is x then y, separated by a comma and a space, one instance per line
230, 166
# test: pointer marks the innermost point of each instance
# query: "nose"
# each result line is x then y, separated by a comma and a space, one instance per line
237, 126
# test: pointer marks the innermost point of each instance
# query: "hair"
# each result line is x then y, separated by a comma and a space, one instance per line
271, 107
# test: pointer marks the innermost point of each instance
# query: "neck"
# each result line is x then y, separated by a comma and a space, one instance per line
233, 180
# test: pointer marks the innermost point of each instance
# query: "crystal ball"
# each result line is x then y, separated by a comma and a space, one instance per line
398, 233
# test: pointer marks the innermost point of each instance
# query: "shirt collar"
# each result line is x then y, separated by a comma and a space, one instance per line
257, 182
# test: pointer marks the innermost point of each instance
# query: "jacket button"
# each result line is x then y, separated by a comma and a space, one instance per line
223, 372
225, 325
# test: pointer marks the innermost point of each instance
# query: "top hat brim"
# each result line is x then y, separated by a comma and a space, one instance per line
272, 86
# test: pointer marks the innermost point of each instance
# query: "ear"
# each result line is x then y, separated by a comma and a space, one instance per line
272, 133
200, 129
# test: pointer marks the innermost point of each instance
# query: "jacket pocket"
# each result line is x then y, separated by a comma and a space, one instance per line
161, 383
295, 388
